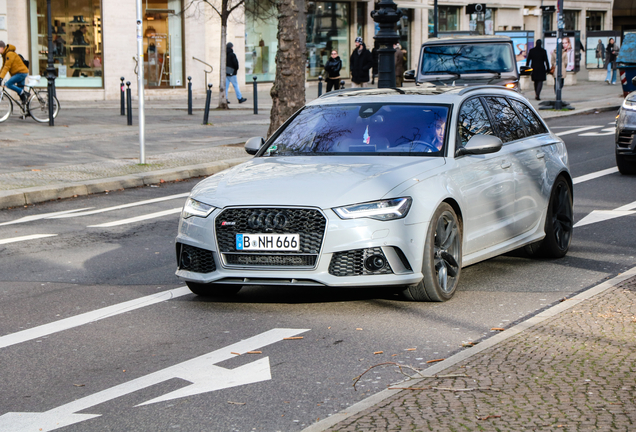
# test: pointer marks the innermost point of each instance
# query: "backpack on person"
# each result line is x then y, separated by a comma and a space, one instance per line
26, 62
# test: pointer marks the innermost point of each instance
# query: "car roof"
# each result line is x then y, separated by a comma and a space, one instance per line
466, 39
424, 93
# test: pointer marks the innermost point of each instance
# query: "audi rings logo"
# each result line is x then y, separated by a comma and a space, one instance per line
267, 220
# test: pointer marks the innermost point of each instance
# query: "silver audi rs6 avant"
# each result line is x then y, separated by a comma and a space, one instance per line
398, 188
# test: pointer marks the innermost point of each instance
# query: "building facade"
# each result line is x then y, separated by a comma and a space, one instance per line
94, 41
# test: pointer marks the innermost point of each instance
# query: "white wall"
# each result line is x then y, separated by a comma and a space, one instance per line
3, 20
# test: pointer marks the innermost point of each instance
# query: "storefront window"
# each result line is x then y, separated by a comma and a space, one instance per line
261, 44
361, 18
403, 28
483, 22
327, 29
594, 21
547, 21
77, 42
571, 19
447, 19
163, 43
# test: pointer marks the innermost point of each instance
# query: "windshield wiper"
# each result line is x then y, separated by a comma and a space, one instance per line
498, 73
456, 74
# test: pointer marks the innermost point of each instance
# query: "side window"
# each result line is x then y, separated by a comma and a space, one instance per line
473, 120
529, 118
506, 120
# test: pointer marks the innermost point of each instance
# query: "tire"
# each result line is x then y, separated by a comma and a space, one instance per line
441, 266
38, 106
6, 107
213, 290
625, 167
559, 224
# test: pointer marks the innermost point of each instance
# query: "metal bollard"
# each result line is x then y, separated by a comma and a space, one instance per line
129, 102
255, 95
123, 96
319, 85
206, 113
189, 95
342, 84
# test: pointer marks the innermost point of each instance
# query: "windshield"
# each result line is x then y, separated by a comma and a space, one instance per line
374, 129
467, 58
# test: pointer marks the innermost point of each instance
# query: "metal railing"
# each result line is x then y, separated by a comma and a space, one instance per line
204, 70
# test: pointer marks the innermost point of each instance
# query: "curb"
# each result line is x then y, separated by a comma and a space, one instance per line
21, 197
371, 401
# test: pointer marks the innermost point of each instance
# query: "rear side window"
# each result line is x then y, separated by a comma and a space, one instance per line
529, 118
507, 122
473, 120
468, 58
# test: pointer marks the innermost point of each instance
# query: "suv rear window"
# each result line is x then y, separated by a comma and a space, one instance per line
468, 58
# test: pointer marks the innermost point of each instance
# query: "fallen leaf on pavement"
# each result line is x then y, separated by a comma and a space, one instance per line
488, 416
378, 352
293, 338
434, 361
254, 352
497, 329
358, 328
235, 353
78, 385
411, 349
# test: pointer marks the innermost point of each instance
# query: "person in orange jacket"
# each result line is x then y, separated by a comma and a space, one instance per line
13, 64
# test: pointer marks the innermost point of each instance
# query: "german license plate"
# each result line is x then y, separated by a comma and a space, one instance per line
268, 242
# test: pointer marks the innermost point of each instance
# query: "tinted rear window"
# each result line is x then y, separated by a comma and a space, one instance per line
468, 58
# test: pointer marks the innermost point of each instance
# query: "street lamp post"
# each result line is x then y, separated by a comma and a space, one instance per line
50, 69
386, 16
559, 50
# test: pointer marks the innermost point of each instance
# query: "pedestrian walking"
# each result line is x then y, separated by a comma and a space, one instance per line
333, 66
610, 57
538, 61
12, 63
554, 68
600, 54
231, 69
400, 56
360, 63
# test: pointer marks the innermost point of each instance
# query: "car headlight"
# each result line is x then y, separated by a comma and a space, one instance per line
390, 209
196, 208
630, 103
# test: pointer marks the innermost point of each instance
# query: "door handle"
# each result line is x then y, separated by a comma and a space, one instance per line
540, 155
506, 164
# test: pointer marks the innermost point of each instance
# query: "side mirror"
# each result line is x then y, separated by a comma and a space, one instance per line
480, 144
253, 145
409, 75
525, 70
634, 80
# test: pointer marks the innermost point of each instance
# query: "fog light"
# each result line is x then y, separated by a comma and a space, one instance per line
186, 260
375, 263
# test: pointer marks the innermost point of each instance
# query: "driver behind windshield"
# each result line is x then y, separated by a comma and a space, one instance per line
438, 133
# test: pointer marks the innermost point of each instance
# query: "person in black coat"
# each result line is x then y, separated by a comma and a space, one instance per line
538, 61
332, 68
360, 64
232, 65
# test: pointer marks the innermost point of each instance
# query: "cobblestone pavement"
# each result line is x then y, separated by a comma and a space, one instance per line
573, 372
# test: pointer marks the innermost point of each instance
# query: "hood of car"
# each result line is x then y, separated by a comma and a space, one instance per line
317, 181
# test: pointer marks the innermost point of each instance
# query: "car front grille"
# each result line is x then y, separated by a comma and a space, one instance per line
309, 224
625, 139
195, 259
352, 263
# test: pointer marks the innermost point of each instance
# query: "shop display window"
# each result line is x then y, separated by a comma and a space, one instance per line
163, 43
77, 42
261, 44
482, 22
327, 30
447, 19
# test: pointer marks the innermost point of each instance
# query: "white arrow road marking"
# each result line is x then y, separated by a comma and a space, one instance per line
594, 175
123, 206
573, 131
88, 317
42, 216
200, 372
603, 132
138, 218
603, 215
24, 238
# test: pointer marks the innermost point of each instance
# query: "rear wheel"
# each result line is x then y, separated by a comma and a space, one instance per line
559, 224
6, 107
38, 106
442, 258
213, 290
625, 167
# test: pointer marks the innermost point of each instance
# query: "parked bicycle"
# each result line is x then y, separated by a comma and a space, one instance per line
37, 105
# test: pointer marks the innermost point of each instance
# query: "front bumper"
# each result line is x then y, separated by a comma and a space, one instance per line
346, 245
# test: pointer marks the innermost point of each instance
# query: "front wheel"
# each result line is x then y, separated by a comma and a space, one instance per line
442, 258
38, 106
6, 107
624, 166
213, 290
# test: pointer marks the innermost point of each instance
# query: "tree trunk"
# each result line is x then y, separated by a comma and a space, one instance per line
224, 17
288, 92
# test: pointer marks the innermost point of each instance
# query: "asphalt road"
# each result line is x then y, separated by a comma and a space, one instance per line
73, 339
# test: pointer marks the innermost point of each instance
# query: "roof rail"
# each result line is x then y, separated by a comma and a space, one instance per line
479, 87
340, 91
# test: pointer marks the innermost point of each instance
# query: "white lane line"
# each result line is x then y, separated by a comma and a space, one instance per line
88, 317
573, 131
137, 218
594, 175
42, 216
123, 206
25, 238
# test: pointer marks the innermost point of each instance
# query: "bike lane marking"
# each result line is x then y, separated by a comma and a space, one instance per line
577, 130
137, 218
25, 238
594, 175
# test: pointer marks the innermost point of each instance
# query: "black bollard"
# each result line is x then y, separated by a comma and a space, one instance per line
129, 102
255, 95
206, 113
342, 84
123, 97
189, 95
319, 85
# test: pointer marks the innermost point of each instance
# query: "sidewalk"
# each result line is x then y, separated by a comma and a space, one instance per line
91, 149
569, 368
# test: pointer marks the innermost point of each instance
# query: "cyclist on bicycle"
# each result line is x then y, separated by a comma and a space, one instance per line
12, 63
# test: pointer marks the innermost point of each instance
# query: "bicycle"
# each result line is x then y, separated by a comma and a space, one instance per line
37, 105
